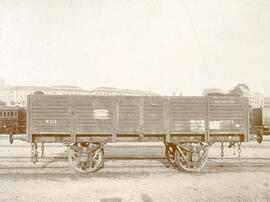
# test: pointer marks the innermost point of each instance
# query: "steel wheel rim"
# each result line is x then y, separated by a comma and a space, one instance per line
85, 167
191, 166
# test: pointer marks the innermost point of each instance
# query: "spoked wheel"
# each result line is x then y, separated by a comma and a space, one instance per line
86, 157
191, 156
169, 153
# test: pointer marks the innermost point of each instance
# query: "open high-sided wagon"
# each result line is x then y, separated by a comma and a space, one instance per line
186, 125
260, 120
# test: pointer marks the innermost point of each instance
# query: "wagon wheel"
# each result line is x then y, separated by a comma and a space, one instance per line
169, 153
86, 157
191, 161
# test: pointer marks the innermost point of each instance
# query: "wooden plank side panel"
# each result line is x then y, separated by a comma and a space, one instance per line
128, 119
153, 119
93, 115
187, 115
227, 115
110, 115
50, 115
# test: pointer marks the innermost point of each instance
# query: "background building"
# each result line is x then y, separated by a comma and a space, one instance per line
211, 90
17, 95
121, 92
256, 100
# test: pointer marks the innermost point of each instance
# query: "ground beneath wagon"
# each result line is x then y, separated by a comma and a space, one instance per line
134, 172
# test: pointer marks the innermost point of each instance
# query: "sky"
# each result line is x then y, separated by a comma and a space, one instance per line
176, 46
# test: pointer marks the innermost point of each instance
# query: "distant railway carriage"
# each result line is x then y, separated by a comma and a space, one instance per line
12, 120
260, 120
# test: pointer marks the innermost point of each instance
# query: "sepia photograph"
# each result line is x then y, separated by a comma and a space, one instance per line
135, 100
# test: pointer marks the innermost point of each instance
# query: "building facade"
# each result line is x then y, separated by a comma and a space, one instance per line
256, 100
121, 92
211, 90
17, 95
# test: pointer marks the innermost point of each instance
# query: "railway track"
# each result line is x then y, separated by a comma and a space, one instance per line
124, 158
146, 158
61, 162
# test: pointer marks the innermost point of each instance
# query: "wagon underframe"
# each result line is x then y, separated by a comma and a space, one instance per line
186, 152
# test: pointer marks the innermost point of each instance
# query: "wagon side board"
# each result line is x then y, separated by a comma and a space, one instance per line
54, 118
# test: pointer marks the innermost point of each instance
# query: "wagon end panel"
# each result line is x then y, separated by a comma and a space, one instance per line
228, 118
49, 116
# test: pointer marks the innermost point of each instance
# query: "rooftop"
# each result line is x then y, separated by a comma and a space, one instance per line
44, 88
112, 89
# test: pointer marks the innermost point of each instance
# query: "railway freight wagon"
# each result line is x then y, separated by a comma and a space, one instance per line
260, 120
186, 125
